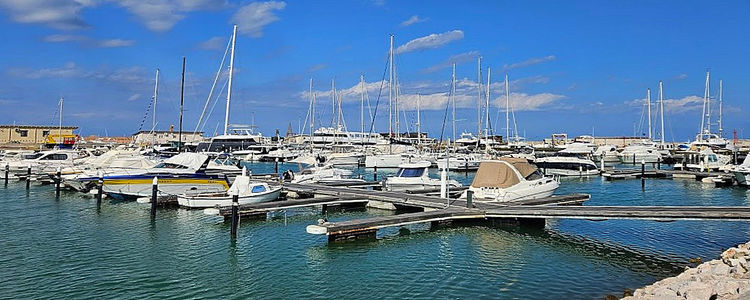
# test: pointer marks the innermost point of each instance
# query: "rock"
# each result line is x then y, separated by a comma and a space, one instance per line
627, 292
696, 260
610, 297
725, 289
697, 291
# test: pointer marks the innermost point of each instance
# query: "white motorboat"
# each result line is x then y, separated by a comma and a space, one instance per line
414, 177
323, 174
566, 166
640, 153
180, 174
248, 192
42, 162
466, 139
742, 172
608, 153
459, 162
386, 160
280, 155
509, 179
704, 160
578, 148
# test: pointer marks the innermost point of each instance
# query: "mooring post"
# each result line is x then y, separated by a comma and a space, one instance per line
28, 177
7, 171
276, 165
580, 170
324, 209
469, 199
99, 189
375, 175
444, 182
643, 173
235, 215
633, 158
601, 162
58, 178
658, 163
154, 192
735, 162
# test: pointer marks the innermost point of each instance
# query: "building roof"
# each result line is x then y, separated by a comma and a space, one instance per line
39, 126
167, 131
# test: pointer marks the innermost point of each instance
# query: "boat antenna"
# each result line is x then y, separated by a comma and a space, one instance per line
182, 100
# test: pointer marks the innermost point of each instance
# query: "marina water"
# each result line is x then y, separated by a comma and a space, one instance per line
68, 248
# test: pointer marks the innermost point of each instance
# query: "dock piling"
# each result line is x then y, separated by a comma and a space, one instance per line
99, 189
235, 215
633, 158
375, 175
469, 199
276, 165
601, 162
58, 178
658, 163
643, 173
28, 177
7, 173
154, 192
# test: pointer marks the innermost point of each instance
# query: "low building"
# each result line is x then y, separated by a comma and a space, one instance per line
32, 135
164, 137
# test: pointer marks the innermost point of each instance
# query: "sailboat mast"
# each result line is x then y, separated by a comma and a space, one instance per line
721, 94
229, 84
419, 123
153, 115
362, 105
648, 110
390, 90
479, 98
59, 128
661, 110
333, 102
487, 104
312, 114
507, 109
708, 102
453, 102
182, 98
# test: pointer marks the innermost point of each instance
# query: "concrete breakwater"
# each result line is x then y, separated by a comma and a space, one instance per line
725, 278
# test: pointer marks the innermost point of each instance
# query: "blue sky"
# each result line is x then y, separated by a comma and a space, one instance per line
574, 67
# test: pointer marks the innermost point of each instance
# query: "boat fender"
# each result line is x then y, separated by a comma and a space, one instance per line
288, 175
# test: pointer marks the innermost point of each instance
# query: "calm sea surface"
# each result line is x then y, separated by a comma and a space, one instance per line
68, 248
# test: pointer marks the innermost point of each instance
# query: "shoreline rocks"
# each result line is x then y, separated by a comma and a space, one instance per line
725, 278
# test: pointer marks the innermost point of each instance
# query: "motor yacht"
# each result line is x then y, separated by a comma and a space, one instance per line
414, 177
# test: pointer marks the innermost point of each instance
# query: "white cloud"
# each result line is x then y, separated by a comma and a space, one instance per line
434, 40
434, 96
128, 75
677, 106
214, 43
59, 14
134, 97
113, 43
85, 41
61, 38
413, 20
529, 62
316, 67
162, 15
682, 76
252, 18
457, 59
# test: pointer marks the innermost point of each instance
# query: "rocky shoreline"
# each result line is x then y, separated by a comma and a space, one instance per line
724, 278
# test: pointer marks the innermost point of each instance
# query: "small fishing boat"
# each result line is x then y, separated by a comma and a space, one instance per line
415, 177
508, 179
247, 192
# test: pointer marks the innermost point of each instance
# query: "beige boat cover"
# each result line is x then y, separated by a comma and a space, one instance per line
495, 173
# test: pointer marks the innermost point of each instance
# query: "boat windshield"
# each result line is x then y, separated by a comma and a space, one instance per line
535, 175
259, 189
410, 172
712, 158
32, 156
166, 165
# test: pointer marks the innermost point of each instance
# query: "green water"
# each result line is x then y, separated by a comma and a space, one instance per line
68, 248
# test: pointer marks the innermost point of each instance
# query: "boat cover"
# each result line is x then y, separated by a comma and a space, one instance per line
193, 161
240, 186
500, 173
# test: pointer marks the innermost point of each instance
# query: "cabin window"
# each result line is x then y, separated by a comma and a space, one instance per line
411, 173
23, 133
45, 133
712, 158
165, 165
259, 189
534, 176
